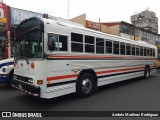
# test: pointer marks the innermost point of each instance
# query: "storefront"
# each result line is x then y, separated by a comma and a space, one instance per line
4, 28
121, 28
17, 16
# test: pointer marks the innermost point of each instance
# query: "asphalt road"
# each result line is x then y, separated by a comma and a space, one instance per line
131, 95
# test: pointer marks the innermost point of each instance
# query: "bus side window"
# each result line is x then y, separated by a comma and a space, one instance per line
116, 47
133, 49
151, 52
128, 49
61, 42
137, 50
55, 38
100, 45
145, 51
122, 48
76, 42
89, 44
141, 51
109, 46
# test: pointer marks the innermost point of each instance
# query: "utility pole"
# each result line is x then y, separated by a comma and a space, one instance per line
68, 9
135, 27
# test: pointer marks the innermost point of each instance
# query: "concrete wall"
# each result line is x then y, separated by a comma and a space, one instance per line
81, 19
104, 28
114, 30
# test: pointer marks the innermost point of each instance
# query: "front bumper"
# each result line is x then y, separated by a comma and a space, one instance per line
4, 78
27, 88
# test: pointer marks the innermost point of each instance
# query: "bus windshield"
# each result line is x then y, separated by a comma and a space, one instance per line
29, 45
29, 39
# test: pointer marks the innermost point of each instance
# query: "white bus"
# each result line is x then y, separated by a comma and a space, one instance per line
56, 57
6, 61
6, 70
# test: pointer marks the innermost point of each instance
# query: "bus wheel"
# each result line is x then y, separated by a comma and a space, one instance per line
146, 72
86, 85
10, 78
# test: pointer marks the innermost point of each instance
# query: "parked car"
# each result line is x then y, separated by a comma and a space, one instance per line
6, 70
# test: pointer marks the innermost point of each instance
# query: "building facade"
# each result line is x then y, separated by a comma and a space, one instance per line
122, 29
4, 30
9, 18
146, 19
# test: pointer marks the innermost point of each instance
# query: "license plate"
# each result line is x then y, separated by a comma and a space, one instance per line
20, 86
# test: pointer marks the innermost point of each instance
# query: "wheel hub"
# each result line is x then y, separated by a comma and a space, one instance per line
86, 85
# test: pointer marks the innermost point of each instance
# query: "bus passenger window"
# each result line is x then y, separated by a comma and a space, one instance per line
100, 45
108, 46
89, 44
145, 51
133, 50
116, 47
76, 37
89, 48
55, 38
128, 49
141, 51
76, 42
76, 47
151, 51
122, 48
137, 51
63, 43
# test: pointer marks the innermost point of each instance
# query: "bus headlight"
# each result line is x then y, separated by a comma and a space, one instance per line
4, 69
14, 77
30, 80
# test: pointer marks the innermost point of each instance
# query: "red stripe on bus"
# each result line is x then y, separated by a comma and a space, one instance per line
62, 77
118, 70
130, 57
100, 72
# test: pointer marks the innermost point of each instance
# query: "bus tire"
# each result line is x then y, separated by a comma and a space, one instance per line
146, 72
85, 85
10, 76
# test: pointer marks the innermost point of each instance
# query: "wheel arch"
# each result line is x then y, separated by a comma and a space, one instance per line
11, 73
146, 67
91, 71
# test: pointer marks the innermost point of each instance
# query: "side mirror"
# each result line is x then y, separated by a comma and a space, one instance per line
51, 44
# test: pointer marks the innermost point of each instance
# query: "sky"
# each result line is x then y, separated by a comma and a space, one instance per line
106, 10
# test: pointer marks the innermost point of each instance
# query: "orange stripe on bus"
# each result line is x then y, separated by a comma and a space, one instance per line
100, 72
62, 77
118, 70
130, 57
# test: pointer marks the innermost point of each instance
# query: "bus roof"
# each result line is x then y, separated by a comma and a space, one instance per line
73, 25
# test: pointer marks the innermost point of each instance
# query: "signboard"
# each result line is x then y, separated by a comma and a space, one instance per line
18, 15
92, 25
3, 12
157, 43
125, 36
132, 37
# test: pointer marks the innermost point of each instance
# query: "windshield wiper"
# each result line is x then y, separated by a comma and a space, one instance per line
18, 53
25, 53
27, 60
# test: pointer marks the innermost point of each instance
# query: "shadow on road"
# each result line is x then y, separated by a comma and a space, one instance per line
123, 83
39, 104
5, 87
